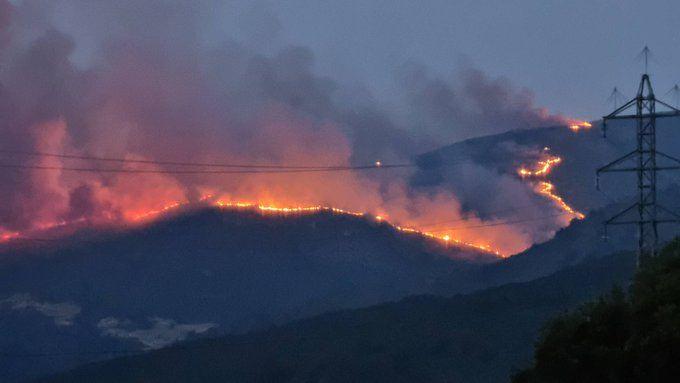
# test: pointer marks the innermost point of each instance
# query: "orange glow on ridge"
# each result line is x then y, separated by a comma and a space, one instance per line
265, 209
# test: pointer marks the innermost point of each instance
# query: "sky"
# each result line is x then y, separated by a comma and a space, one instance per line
571, 54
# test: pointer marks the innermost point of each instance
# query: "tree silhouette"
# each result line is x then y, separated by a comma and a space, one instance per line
617, 338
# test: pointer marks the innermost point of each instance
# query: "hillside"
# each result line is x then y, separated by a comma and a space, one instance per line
580, 241
619, 337
481, 337
200, 274
582, 153
136, 289
496, 158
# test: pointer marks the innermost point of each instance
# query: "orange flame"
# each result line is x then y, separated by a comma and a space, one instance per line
268, 209
545, 188
543, 168
265, 209
576, 125
268, 204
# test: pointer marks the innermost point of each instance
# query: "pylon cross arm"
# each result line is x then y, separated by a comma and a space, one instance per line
620, 109
614, 220
675, 111
676, 217
611, 167
644, 115
676, 161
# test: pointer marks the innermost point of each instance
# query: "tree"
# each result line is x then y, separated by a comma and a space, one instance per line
617, 338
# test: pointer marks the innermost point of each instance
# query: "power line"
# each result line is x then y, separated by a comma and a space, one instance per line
377, 164
500, 223
512, 209
180, 171
246, 168
171, 163
252, 169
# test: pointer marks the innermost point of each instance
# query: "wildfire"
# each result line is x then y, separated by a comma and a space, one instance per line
152, 213
266, 209
576, 125
542, 169
545, 188
9, 235
269, 209
459, 236
446, 239
496, 243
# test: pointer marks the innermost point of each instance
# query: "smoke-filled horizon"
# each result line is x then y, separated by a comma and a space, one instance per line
139, 80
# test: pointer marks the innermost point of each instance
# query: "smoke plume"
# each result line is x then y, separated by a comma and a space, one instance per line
140, 80
471, 104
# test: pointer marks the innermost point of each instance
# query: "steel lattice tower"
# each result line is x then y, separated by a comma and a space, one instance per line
646, 212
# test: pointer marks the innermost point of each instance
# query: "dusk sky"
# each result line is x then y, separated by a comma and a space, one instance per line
570, 53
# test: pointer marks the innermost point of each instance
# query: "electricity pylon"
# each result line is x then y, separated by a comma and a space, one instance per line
646, 213
616, 96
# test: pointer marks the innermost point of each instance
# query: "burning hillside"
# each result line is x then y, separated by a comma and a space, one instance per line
544, 187
260, 129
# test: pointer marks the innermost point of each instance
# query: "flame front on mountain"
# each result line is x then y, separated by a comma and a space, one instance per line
541, 170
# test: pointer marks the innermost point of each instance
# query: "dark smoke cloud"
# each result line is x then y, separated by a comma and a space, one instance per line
151, 90
470, 105
137, 79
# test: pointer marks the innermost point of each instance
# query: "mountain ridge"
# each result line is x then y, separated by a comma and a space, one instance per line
203, 273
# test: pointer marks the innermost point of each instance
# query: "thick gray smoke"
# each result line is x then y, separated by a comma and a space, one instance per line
149, 80
470, 105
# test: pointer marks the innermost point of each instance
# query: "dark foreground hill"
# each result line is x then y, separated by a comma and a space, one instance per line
201, 274
482, 337
580, 241
618, 338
